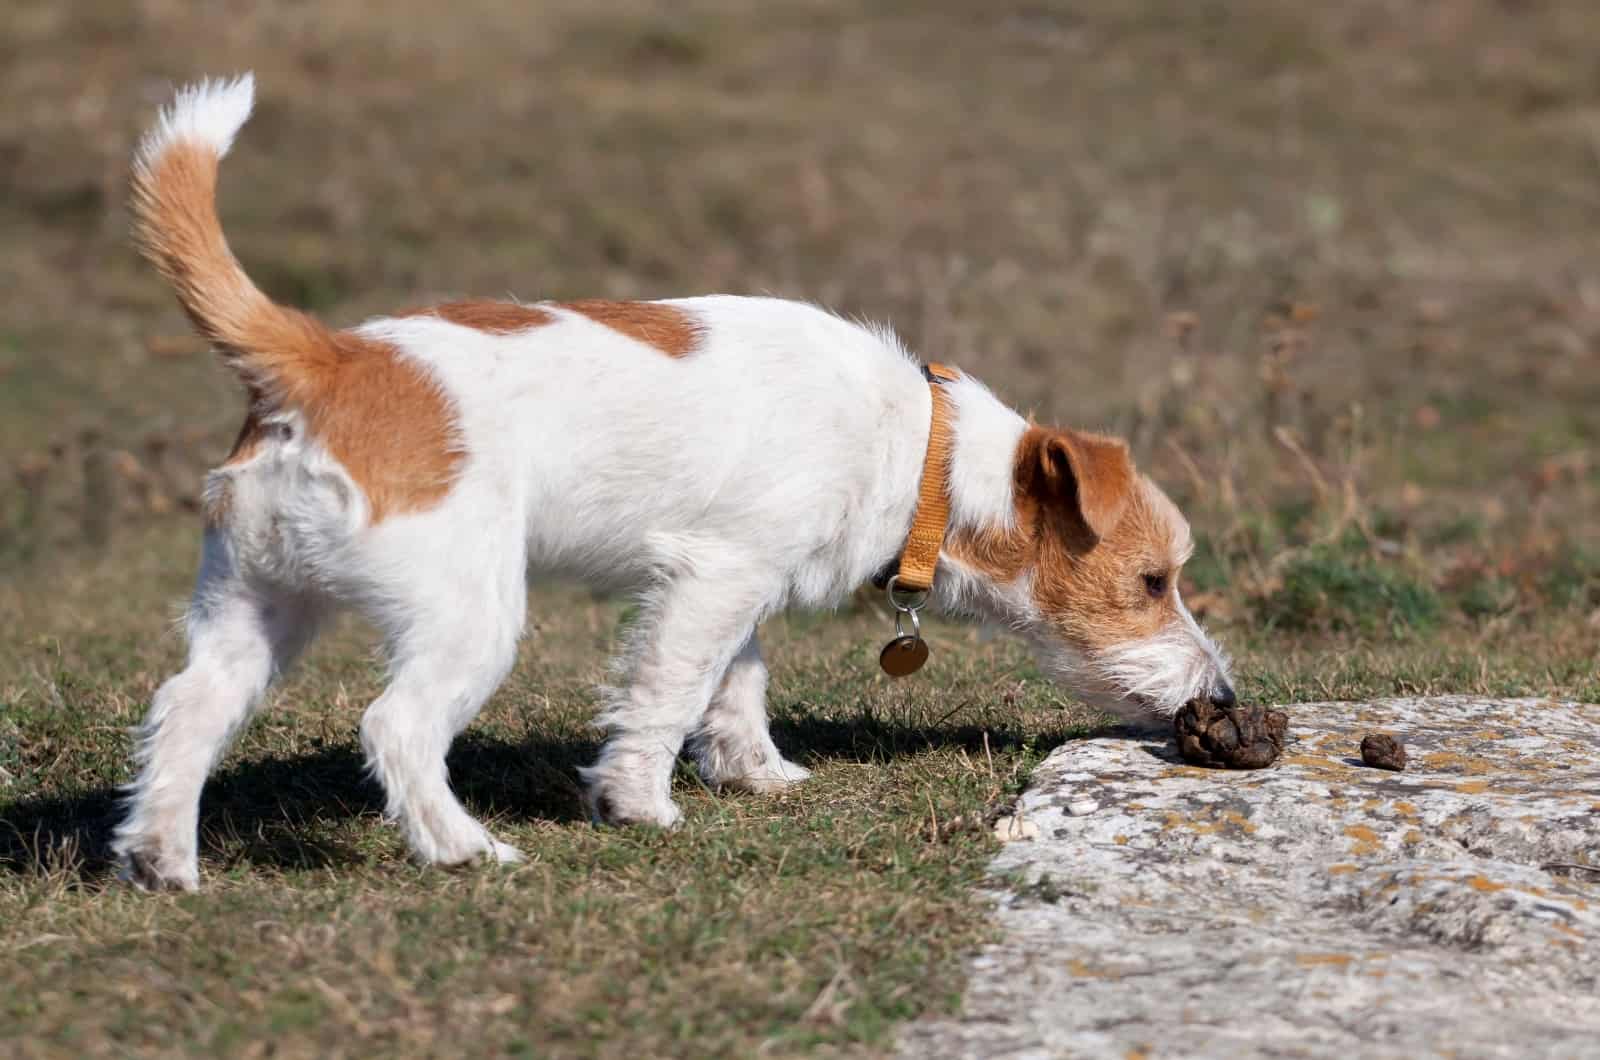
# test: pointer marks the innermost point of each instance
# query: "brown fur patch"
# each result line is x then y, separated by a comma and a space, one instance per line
176, 228
384, 419
1089, 585
1097, 598
496, 318
667, 328
1094, 472
379, 414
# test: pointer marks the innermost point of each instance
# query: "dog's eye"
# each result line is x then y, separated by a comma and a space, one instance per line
1155, 585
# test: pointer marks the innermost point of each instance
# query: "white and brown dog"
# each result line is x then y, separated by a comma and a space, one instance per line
729, 456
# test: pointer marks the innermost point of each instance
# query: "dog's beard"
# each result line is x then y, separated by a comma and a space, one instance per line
1163, 671
1142, 679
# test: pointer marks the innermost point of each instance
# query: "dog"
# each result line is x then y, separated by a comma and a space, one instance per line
727, 456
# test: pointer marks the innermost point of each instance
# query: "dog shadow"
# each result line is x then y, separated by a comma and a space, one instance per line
277, 811
876, 739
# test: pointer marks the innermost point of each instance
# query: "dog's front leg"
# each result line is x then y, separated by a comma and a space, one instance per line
691, 630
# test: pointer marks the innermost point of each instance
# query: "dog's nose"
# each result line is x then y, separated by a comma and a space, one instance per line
1222, 696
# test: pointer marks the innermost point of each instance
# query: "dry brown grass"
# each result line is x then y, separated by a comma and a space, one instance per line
1330, 268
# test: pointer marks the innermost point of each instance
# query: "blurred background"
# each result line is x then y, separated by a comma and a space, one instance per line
1333, 268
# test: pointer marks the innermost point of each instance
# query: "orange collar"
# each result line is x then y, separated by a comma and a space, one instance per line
923, 544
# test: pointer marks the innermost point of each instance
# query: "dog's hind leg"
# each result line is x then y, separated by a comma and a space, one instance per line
452, 640
732, 746
241, 636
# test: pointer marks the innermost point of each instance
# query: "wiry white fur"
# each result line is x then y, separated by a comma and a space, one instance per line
732, 745
1139, 679
777, 464
209, 112
981, 464
241, 636
1167, 670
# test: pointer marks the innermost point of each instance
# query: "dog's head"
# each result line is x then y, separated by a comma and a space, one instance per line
1089, 573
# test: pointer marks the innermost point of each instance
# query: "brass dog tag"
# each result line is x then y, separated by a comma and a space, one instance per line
903, 656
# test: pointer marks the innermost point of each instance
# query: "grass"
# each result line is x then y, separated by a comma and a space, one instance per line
1323, 587
1330, 270
820, 917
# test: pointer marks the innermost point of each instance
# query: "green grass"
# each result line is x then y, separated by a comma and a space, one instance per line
1326, 589
825, 915
1330, 270
818, 918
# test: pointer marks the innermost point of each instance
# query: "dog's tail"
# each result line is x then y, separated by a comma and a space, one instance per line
275, 349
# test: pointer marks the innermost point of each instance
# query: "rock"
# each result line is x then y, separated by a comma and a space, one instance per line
1011, 829
1082, 807
1229, 738
1382, 751
1316, 909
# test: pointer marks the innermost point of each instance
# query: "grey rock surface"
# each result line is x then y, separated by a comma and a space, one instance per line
1316, 908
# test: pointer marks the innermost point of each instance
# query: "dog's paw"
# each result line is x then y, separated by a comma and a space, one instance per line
659, 815
609, 807
768, 779
465, 848
503, 854
149, 872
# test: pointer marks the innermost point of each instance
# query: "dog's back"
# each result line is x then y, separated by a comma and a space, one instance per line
613, 436
777, 426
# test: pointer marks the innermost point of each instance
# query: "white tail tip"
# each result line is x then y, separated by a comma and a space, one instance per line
208, 112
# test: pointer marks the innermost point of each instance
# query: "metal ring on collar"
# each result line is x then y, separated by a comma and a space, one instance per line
907, 601
899, 624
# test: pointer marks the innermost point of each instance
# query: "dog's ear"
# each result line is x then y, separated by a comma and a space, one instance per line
1090, 475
